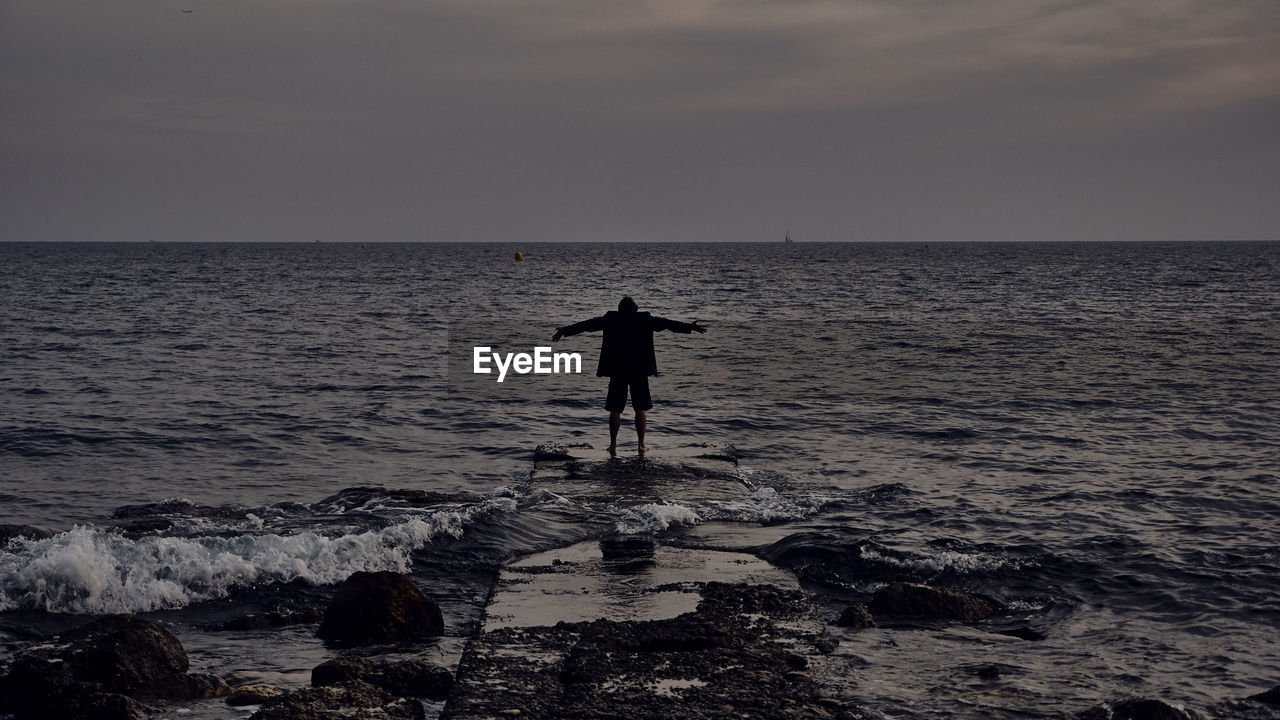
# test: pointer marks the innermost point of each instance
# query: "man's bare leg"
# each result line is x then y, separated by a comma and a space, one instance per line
615, 422
640, 423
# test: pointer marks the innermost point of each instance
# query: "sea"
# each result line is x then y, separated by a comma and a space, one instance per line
1088, 433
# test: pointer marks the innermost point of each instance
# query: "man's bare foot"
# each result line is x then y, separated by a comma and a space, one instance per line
613, 450
642, 449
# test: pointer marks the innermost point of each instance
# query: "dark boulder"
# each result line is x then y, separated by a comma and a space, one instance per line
988, 672
1024, 632
1143, 709
142, 525
351, 701
375, 607
924, 601
355, 497
9, 531
100, 706
856, 616
72, 674
255, 694
1270, 697
405, 678
195, 686
1136, 709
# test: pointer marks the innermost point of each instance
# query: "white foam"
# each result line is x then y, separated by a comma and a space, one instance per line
91, 570
947, 560
655, 517
542, 496
766, 504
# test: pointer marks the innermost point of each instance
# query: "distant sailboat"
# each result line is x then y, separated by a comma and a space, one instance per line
788, 238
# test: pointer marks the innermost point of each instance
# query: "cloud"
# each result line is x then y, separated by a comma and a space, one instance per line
801, 56
689, 116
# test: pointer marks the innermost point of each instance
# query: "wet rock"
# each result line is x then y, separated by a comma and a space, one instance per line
1024, 633
142, 525
101, 706
924, 601
354, 497
856, 616
1136, 709
352, 701
1270, 697
1142, 709
834, 561
374, 607
628, 550
726, 453
195, 686
824, 643
72, 674
404, 678
725, 600
165, 507
557, 451
274, 619
255, 694
9, 531
988, 672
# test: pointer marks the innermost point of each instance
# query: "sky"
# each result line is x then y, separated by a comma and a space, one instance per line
673, 120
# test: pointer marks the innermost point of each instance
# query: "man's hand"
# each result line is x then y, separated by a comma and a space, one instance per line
698, 328
559, 334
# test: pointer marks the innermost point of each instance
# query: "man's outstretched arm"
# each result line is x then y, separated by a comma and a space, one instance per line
658, 324
595, 323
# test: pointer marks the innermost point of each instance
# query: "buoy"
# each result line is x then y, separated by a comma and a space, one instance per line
519, 256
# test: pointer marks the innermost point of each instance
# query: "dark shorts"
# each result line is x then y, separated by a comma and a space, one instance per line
617, 399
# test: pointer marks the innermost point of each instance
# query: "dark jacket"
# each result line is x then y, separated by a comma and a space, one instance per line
627, 347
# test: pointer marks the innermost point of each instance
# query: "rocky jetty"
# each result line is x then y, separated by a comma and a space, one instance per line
744, 652
379, 607
101, 670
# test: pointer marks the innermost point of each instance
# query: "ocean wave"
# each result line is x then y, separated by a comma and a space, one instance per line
94, 570
765, 505
655, 517
945, 561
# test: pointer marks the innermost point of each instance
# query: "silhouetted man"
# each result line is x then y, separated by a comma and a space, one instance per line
627, 359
